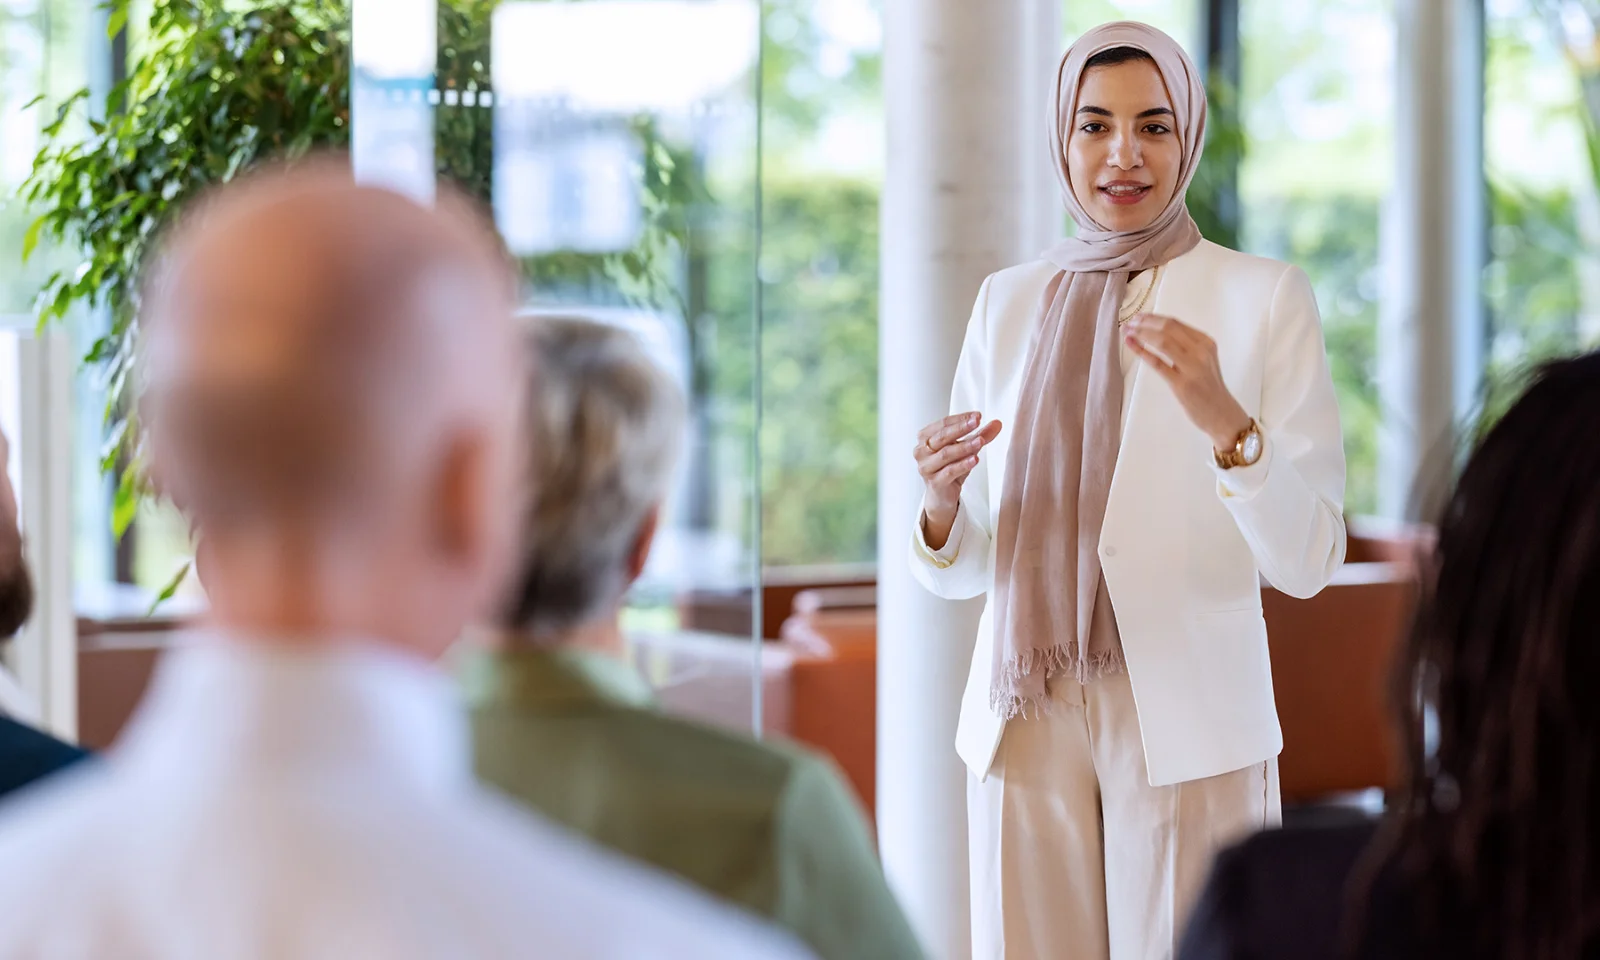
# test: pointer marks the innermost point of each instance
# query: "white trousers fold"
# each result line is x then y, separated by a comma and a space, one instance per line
1074, 855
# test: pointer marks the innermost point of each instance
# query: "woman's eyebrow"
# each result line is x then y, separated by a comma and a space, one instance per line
1152, 112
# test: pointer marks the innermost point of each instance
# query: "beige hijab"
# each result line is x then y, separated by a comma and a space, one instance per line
1067, 428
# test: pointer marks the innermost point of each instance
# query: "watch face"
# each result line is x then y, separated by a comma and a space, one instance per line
1251, 448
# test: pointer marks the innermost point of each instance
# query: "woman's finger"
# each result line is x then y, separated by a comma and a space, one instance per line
954, 425
955, 472
1165, 338
1173, 332
956, 432
939, 459
1153, 359
1154, 346
930, 450
1184, 354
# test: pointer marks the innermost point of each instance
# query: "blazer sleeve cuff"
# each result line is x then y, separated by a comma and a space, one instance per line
1243, 483
945, 556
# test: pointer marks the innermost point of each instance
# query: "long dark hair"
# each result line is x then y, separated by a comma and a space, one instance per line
1495, 836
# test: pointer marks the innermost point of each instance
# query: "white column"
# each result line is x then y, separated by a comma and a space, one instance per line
45, 653
1431, 324
1042, 217
967, 191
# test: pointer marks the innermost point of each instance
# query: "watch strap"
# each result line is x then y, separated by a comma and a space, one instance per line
1234, 455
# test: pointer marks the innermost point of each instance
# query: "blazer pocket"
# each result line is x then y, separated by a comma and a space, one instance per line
1230, 647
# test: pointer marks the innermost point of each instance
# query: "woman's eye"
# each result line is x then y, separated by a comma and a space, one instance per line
1157, 129
1092, 128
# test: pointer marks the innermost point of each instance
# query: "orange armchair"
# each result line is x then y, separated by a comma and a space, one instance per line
833, 691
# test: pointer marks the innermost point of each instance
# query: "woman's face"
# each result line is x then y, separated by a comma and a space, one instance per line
1123, 153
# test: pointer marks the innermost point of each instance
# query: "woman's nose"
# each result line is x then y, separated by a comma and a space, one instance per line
1124, 152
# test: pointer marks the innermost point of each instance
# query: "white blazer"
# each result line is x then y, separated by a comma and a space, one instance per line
1185, 544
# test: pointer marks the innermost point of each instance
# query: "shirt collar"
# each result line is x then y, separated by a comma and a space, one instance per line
553, 680
345, 711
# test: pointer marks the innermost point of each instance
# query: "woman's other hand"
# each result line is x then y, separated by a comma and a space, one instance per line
1187, 360
946, 453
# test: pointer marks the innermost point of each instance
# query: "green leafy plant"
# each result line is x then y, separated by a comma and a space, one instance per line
215, 89
1214, 194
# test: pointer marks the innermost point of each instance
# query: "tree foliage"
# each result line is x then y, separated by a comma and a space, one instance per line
216, 89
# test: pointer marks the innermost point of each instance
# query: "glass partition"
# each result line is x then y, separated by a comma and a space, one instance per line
616, 142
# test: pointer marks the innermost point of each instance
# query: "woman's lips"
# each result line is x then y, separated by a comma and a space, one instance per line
1124, 194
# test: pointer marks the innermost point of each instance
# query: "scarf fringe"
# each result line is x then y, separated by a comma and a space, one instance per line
1008, 701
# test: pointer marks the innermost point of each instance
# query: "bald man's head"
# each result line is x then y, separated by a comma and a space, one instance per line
302, 331
317, 351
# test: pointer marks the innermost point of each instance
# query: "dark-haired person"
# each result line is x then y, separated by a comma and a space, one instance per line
1171, 437
562, 722
1492, 848
26, 754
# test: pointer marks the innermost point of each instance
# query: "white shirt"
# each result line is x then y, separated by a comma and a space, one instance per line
276, 804
1141, 288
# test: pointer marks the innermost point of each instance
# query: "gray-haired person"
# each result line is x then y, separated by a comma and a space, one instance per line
562, 722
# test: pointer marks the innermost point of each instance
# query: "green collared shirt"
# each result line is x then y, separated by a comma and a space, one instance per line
766, 825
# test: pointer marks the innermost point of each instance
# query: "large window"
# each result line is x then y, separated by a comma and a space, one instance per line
1318, 117
822, 160
43, 58
1542, 99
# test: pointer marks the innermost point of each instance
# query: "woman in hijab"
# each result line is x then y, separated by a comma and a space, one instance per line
1171, 438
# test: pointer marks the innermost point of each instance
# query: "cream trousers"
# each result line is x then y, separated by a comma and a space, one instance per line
1074, 855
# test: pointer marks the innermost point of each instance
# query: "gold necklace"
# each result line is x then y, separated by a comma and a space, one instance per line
1144, 298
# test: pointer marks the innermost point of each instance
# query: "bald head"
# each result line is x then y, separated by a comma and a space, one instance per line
304, 335
333, 360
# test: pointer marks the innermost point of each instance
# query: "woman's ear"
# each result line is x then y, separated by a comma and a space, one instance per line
642, 542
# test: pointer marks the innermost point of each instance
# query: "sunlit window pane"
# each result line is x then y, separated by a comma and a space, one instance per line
1318, 110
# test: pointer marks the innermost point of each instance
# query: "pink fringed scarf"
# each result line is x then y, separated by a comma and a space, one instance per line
1067, 428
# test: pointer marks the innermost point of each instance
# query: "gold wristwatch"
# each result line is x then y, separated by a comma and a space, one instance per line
1246, 450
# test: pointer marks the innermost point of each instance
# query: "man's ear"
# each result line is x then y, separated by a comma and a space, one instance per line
642, 542
461, 488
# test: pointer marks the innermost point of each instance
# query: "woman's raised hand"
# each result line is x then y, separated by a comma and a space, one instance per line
1187, 359
946, 453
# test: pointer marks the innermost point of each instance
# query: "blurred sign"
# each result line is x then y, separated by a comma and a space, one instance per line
570, 79
391, 135
564, 183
